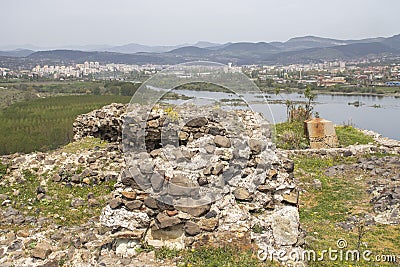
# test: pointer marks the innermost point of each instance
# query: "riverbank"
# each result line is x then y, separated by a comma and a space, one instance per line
394, 92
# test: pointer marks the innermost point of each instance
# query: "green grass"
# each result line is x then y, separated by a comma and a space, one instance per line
3, 169
58, 207
83, 144
341, 197
212, 257
348, 135
291, 136
45, 124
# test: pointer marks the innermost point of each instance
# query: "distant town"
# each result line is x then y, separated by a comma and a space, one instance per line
327, 74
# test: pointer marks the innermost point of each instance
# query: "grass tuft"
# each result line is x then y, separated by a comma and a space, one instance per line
348, 135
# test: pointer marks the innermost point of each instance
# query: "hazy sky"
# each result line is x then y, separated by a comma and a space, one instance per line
168, 22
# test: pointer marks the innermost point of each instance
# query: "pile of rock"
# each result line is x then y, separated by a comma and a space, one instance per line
104, 123
90, 166
202, 176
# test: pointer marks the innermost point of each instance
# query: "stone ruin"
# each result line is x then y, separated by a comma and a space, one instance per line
213, 179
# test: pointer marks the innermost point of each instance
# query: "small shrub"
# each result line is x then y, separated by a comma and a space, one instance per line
291, 135
257, 229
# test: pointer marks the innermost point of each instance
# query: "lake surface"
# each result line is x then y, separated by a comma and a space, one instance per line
380, 114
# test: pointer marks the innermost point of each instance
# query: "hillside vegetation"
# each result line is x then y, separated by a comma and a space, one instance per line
44, 124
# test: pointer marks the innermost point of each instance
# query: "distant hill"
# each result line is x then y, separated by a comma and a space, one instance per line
137, 48
340, 52
16, 53
300, 43
393, 42
295, 50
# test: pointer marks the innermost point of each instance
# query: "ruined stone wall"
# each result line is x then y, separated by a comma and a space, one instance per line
217, 181
104, 123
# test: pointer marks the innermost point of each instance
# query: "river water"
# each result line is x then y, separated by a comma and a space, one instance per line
380, 114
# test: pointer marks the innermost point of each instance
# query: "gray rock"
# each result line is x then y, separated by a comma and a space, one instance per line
222, 141
211, 214
197, 122
285, 226
157, 181
256, 146
115, 203
347, 153
241, 193
75, 178
182, 186
164, 221
146, 167
192, 228
42, 250
214, 131
134, 205
202, 181
77, 202
16, 245
19, 219
150, 203
317, 184
10, 212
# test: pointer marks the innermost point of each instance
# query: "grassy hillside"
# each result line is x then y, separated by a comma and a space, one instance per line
46, 123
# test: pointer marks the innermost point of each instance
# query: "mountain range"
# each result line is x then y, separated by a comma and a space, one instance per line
296, 50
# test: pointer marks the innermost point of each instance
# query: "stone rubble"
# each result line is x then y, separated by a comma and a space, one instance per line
216, 179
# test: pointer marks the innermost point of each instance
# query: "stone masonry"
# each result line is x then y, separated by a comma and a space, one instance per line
212, 179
